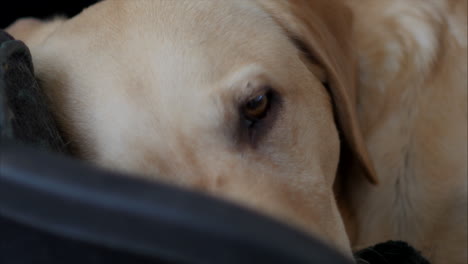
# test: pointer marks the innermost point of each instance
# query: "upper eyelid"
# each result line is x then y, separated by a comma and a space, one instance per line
261, 90
245, 81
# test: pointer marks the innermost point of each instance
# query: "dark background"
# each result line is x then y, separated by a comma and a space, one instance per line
14, 9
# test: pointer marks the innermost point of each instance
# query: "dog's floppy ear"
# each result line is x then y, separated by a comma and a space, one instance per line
323, 29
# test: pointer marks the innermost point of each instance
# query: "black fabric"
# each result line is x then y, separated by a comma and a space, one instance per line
24, 111
20, 244
391, 252
6, 126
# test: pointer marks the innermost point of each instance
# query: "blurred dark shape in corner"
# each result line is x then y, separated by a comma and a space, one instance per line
14, 9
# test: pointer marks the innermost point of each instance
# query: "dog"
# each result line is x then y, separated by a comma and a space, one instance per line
345, 119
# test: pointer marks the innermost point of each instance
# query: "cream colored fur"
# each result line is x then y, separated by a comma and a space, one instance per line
413, 111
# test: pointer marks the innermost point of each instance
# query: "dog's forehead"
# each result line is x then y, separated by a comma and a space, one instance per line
170, 43
184, 26
167, 51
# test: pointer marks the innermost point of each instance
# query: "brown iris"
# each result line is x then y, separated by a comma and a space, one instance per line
256, 108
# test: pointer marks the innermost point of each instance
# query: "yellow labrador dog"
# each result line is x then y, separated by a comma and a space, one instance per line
274, 104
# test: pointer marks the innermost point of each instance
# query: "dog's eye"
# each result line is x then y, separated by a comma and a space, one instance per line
258, 114
256, 108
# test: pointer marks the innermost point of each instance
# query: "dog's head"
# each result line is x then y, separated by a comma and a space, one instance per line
240, 99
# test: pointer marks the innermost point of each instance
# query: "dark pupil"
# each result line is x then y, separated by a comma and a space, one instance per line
256, 102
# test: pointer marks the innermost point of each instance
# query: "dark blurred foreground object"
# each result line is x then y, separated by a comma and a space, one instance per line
55, 209
24, 111
97, 216
391, 252
43, 9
